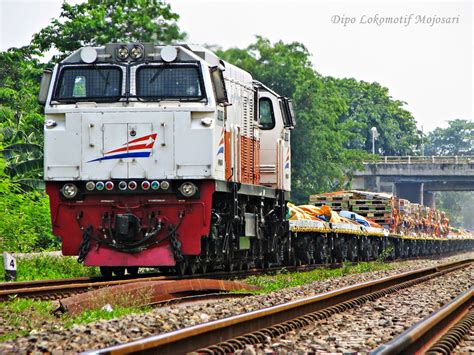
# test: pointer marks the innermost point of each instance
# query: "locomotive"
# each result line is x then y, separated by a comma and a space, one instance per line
170, 157
165, 156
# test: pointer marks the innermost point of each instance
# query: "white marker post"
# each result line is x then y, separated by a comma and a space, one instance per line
10, 266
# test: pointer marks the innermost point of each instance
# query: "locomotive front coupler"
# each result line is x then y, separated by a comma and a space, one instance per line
127, 226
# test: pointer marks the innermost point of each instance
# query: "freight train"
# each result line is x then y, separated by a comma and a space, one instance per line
170, 157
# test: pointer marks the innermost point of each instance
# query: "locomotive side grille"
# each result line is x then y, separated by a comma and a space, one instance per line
245, 148
249, 142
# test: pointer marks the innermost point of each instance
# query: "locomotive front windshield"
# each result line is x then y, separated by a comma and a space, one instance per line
105, 83
102, 83
174, 82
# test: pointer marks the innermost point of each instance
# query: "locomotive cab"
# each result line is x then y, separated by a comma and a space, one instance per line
276, 120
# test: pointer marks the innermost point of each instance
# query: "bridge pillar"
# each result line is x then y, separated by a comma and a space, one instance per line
412, 191
429, 199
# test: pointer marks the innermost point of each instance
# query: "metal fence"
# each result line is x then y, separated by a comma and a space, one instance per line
467, 159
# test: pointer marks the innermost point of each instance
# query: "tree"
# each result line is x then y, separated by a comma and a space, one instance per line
320, 161
97, 22
457, 139
370, 105
21, 120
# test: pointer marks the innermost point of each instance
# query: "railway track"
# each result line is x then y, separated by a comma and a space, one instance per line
57, 288
54, 289
439, 333
234, 333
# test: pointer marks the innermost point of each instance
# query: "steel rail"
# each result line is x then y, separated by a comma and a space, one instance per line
248, 324
432, 334
52, 289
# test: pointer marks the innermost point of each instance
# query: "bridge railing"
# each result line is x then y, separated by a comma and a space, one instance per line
465, 159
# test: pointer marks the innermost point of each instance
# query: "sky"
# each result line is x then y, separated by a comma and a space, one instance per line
401, 44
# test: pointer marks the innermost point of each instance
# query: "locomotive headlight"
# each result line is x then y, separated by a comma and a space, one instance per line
188, 189
69, 190
122, 53
136, 52
165, 185
90, 186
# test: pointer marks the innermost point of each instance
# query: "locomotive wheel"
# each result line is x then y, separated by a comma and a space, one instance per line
192, 265
351, 249
239, 265
203, 266
192, 268
364, 249
106, 271
180, 268
229, 266
343, 247
260, 263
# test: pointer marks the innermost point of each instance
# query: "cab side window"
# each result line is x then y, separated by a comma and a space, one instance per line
267, 117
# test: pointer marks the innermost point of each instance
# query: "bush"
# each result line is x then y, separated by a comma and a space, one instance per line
25, 223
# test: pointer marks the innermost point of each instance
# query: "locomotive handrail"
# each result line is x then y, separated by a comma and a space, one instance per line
456, 159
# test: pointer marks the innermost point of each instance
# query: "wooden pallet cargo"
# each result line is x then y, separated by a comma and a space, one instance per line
398, 215
330, 197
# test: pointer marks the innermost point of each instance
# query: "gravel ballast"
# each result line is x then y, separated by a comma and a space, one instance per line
54, 338
363, 328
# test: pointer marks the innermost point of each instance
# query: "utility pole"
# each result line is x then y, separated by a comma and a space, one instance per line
422, 142
375, 135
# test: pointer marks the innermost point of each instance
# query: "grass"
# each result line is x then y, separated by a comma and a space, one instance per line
95, 315
20, 316
285, 279
49, 267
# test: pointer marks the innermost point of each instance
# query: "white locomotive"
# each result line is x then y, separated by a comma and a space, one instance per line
165, 156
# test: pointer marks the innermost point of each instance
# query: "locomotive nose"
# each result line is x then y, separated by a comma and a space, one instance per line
127, 226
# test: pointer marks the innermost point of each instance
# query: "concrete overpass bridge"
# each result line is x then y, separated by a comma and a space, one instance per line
417, 178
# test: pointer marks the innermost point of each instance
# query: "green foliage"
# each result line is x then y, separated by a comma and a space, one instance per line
25, 223
97, 22
281, 280
457, 139
40, 267
370, 105
21, 120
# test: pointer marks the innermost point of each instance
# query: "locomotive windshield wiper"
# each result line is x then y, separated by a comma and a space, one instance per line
156, 75
106, 79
